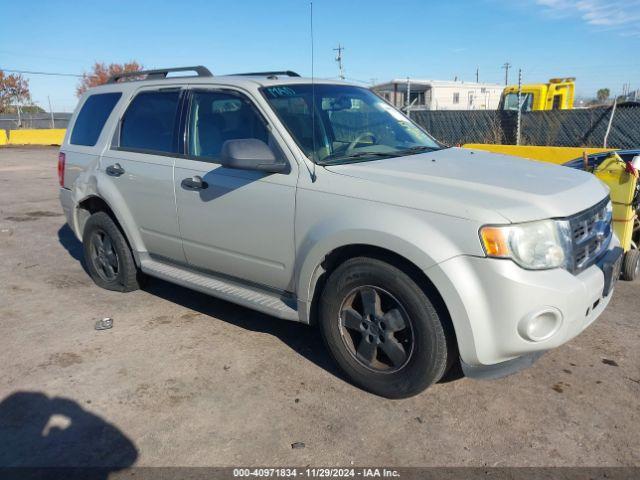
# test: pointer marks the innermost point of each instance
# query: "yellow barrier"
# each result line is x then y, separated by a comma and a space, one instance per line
3, 137
43, 136
543, 154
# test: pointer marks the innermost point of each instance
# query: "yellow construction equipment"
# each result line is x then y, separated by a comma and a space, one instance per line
557, 94
622, 178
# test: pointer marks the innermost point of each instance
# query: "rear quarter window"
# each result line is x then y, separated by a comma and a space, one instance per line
92, 117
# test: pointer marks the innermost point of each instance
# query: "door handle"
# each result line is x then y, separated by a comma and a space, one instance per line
115, 170
194, 183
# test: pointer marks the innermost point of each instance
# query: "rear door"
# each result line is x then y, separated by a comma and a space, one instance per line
240, 223
140, 165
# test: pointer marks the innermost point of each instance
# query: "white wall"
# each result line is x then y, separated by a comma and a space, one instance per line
442, 97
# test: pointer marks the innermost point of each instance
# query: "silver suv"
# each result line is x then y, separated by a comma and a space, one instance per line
319, 202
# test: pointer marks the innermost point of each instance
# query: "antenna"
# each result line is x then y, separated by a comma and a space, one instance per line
313, 103
339, 60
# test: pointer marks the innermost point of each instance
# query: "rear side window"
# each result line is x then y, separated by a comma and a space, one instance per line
92, 117
149, 122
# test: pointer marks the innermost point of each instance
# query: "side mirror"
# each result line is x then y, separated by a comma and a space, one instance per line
250, 154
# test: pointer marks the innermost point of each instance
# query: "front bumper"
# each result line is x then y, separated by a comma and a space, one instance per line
489, 300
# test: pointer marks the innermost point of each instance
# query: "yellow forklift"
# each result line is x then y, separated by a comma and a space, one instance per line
619, 170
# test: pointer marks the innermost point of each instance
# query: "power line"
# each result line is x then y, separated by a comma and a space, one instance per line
29, 72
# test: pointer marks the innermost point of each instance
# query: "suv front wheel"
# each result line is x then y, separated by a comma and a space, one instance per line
381, 329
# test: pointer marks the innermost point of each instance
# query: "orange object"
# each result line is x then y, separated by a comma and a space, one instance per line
494, 241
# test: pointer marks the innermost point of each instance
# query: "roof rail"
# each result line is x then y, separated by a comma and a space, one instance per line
160, 73
288, 73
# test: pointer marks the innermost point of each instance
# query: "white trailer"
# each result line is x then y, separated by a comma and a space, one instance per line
440, 94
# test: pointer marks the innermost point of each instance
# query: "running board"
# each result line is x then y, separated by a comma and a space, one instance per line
250, 297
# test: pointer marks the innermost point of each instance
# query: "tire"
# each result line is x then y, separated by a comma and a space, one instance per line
347, 300
107, 255
631, 265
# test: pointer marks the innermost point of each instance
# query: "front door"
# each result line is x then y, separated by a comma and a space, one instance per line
238, 223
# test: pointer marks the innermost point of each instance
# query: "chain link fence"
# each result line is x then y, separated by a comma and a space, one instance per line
562, 128
34, 120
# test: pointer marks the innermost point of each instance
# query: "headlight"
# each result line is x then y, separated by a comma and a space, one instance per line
535, 245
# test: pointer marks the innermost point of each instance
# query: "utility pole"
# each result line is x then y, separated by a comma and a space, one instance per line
506, 67
339, 60
519, 120
408, 99
477, 74
51, 112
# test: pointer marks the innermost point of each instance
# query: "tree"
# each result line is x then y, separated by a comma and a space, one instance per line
100, 74
603, 95
14, 91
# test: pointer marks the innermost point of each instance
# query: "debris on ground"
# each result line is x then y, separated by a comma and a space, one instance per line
296, 445
104, 324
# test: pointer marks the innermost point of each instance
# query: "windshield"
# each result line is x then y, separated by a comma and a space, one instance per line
350, 124
511, 101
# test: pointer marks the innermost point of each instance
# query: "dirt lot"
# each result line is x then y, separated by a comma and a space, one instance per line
184, 379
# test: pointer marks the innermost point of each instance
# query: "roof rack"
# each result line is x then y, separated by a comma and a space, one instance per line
160, 73
288, 73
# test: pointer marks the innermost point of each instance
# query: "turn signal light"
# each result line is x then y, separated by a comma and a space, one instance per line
494, 241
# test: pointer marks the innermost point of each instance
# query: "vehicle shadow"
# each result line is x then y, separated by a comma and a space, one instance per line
302, 339
68, 240
38, 432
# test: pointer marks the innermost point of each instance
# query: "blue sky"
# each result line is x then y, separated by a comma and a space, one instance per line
597, 41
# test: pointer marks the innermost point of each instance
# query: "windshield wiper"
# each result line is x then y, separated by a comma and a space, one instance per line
357, 155
414, 150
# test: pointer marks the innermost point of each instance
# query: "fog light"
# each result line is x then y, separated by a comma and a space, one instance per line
540, 325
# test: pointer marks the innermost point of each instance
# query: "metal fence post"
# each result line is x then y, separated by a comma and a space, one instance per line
606, 134
519, 118
53, 125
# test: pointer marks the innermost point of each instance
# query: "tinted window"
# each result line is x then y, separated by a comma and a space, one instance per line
149, 122
92, 117
216, 117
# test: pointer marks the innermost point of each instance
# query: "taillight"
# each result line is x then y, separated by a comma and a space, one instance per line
62, 158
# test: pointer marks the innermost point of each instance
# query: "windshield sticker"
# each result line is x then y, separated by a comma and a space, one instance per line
279, 92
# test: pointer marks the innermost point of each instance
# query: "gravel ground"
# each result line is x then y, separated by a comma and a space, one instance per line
185, 379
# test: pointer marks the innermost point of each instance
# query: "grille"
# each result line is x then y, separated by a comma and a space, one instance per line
590, 233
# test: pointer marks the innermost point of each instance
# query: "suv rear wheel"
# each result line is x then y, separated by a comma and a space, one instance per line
107, 255
381, 328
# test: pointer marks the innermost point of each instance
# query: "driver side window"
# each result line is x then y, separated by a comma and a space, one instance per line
216, 117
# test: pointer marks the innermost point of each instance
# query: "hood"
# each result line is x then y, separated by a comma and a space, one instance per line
471, 184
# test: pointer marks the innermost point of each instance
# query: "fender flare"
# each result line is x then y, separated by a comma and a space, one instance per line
311, 268
108, 193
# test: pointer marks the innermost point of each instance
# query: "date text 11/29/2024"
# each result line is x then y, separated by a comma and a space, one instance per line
316, 472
